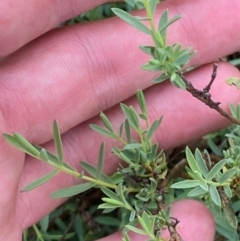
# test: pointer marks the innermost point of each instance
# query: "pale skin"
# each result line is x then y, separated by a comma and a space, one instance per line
71, 74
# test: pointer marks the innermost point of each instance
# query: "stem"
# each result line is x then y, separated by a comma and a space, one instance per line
149, 14
39, 235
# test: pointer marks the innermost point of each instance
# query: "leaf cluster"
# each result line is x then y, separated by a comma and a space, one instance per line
169, 59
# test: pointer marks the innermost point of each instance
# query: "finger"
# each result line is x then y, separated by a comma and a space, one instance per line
179, 109
23, 21
196, 223
10, 171
95, 65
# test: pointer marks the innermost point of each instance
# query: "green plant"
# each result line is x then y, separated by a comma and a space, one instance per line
142, 185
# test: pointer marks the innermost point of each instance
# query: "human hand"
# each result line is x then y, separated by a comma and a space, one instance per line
96, 65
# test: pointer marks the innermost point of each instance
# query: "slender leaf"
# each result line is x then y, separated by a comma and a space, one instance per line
191, 160
215, 195
147, 49
57, 236
163, 27
129, 113
163, 22
102, 131
160, 79
136, 230
14, 142
228, 175
143, 224
186, 184
153, 5
100, 161
142, 101
106, 122
127, 131
93, 172
132, 146
58, 142
43, 155
110, 193
201, 163
73, 190
228, 191
113, 202
44, 222
216, 168
21, 143
131, 20
197, 191
153, 128
40, 181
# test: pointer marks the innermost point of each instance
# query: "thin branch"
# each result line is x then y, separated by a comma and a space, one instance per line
205, 97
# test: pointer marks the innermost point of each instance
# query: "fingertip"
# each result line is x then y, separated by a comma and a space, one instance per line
196, 221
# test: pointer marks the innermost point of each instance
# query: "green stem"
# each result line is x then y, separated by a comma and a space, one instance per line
39, 235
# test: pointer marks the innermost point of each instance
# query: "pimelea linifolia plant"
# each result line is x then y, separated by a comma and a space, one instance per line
144, 184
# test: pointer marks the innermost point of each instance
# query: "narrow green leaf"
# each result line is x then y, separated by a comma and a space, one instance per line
147, 222
153, 5
215, 195
136, 230
163, 22
11, 139
142, 101
102, 131
90, 169
191, 160
201, 163
44, 222
127, 131
134, 116
132, 146
178, 81
160, 79
186, 184
130, 116
197, 191
228, 191
57, 236
121, 129
132, 216
108, 206
26, 146
147, 49
153, 128
121, 155
107, 210
143, 224
40, 181
106, 122
110, 193
110, 221
43, 155
113, 202
163, 27
216, 168
131, 20
58, 142
100, 160
203, 184
73, 190
151, 67
229, 174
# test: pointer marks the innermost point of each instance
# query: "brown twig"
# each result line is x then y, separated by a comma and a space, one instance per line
205, 96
